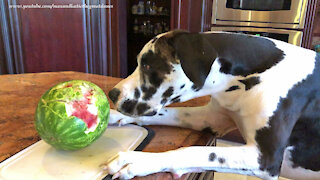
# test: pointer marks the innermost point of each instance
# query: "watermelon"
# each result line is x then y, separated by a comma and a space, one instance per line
71, 115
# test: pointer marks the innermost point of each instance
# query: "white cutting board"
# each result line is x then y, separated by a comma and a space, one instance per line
40, 161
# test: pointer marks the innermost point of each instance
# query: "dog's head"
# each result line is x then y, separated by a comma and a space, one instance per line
172, 67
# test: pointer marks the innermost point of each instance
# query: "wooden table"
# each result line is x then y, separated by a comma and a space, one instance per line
19, 96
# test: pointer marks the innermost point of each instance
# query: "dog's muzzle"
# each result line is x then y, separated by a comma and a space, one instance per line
114, 95
130, 107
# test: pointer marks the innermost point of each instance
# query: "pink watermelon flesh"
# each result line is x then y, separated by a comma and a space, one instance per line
81, 110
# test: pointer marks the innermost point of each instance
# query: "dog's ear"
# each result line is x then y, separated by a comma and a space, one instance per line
196, 56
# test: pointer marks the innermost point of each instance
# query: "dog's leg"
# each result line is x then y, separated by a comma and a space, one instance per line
198, 118
240, 160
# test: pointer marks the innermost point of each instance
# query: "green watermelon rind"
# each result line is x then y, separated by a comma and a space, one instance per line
68, 133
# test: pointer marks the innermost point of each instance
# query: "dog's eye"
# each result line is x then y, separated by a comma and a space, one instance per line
146, 67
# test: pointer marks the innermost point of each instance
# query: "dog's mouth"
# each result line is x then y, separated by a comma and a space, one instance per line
134, 115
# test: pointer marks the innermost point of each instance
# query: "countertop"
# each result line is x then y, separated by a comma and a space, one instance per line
19, 96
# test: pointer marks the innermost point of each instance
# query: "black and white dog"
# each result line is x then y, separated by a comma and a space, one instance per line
268, 89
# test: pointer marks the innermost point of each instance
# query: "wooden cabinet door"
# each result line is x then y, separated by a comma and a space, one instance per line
191, 15
63, 35
309, 23
52, 39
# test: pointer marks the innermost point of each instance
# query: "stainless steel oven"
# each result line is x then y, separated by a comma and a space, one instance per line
290, 36
261, 13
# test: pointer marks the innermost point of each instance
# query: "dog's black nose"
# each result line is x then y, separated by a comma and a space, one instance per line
114, 95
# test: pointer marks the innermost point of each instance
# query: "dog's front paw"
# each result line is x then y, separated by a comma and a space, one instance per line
120, 119
130, 164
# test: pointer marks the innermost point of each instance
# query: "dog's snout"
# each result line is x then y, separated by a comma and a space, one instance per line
114, 95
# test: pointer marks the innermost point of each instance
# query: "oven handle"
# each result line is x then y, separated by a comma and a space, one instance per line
295, 37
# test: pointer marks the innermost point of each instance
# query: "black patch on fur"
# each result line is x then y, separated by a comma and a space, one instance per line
148, 92
196, 88
164, 101
142, 107
154, 67
296, 122
196, 55
136, 93
160, 114
152, 113
209, 130
155, 79
221, 160
225, 66
242, 55
250, 82
144, 78
212, 156
182, 86
128, 106
168, 92
187, 114
232, 88
305, 138
114, 95
176, 99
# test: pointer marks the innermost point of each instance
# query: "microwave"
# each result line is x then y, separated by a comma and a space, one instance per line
260, 13
290, 36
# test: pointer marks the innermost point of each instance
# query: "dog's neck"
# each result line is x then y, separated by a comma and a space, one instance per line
217, 83
232, 91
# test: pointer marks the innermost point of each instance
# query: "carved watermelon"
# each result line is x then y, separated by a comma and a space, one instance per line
72, 114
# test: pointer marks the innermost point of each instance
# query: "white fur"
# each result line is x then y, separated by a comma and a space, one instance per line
182, 160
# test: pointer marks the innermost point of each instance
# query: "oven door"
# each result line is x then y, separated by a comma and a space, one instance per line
289, 36
266, 13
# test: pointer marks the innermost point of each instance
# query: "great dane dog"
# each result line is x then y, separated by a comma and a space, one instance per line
268, 89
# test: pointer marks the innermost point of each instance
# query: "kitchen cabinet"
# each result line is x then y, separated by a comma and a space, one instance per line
37, 39
316, 28
53, 35
173, 14
146, 19
311, 23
